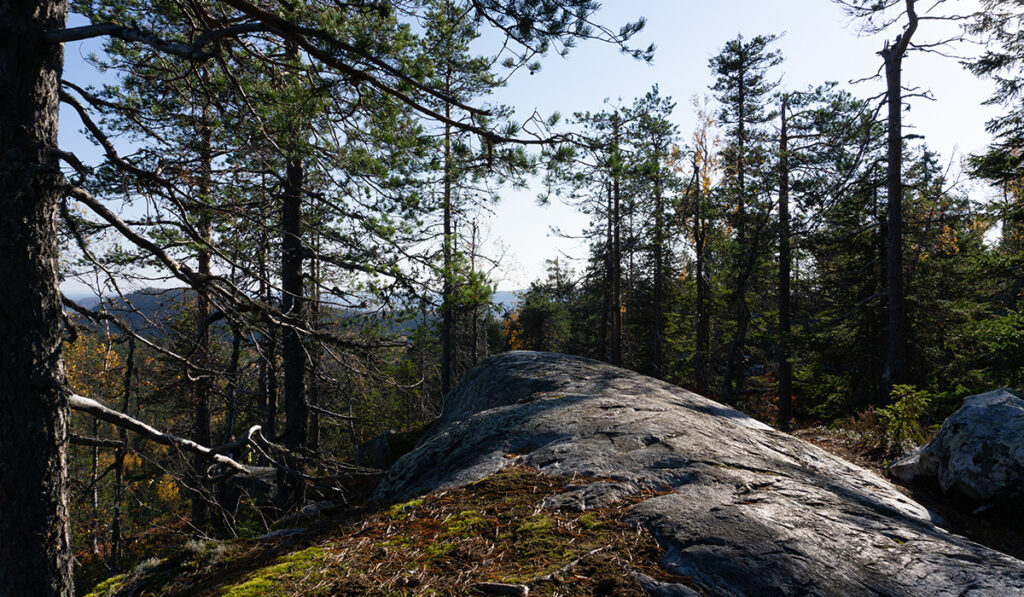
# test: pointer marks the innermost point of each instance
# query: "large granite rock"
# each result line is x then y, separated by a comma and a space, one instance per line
750, 511
979, 450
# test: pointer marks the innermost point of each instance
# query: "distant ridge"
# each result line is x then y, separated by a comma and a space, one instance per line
507, 299
148, 310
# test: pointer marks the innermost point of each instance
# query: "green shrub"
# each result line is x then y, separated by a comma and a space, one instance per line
904, 419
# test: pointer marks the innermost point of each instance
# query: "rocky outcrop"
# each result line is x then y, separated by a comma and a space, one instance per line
979, 451
746, 510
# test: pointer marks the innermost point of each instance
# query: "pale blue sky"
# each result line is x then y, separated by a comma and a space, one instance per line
819, 44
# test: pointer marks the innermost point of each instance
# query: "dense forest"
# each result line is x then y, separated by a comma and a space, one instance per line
282, 227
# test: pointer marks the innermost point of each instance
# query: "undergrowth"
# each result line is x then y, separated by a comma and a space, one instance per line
494, 530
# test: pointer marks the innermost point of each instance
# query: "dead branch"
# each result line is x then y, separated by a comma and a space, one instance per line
332, 414
95, 442
94, 408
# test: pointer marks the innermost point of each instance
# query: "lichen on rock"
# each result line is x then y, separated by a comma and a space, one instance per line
979, 450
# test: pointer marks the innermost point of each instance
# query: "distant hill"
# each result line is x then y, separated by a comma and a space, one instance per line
146, 311
507, 299
85, 299
149, 310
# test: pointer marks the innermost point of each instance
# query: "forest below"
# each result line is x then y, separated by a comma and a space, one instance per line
281, 234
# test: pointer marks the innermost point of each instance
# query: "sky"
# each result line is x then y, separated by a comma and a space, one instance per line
818, 42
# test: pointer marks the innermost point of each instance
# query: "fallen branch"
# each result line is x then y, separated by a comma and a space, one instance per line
550, 577
94, 408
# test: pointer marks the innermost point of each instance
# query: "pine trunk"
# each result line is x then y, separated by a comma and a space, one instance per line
616, 257
895, 372
293, 354
703, 340
448, 289
657, 365
732, 384
785, 261
201, 389
35, 555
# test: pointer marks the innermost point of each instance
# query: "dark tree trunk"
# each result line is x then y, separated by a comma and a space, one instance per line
293, 354
448, 287
228, 493
879, 326
785, 260
703, 340
231, 390
94, 493
735, 368
35, 555
313, 439
606, 288
616, 256
657, 342
896, 356
201, 389
896, 361
122, 450
475, 332
732, 384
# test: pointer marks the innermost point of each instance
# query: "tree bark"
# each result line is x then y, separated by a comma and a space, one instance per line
896, 360
228, 493
785, 262
702, 342
201, 388
35, 554
475, 350
315, 353
616, 256
735, 366
122, 451
231, 389
658, 340
293, 354
448, 287
606, 290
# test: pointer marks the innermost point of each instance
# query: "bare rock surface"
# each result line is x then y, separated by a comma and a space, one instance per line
979, 450
749, 511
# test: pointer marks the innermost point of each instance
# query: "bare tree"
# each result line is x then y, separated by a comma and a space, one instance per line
877, 16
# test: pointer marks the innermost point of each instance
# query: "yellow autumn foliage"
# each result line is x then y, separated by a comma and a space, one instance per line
167, 489
92, 366
512, 331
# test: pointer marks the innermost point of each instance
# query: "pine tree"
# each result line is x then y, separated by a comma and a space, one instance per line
743, 88
652, 136
33, 517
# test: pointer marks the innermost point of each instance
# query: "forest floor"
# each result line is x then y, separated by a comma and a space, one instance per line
1000, 528
446, 543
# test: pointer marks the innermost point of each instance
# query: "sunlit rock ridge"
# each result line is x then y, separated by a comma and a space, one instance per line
748, 510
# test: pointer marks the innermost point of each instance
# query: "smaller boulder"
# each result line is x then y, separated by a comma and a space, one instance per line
979, 450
